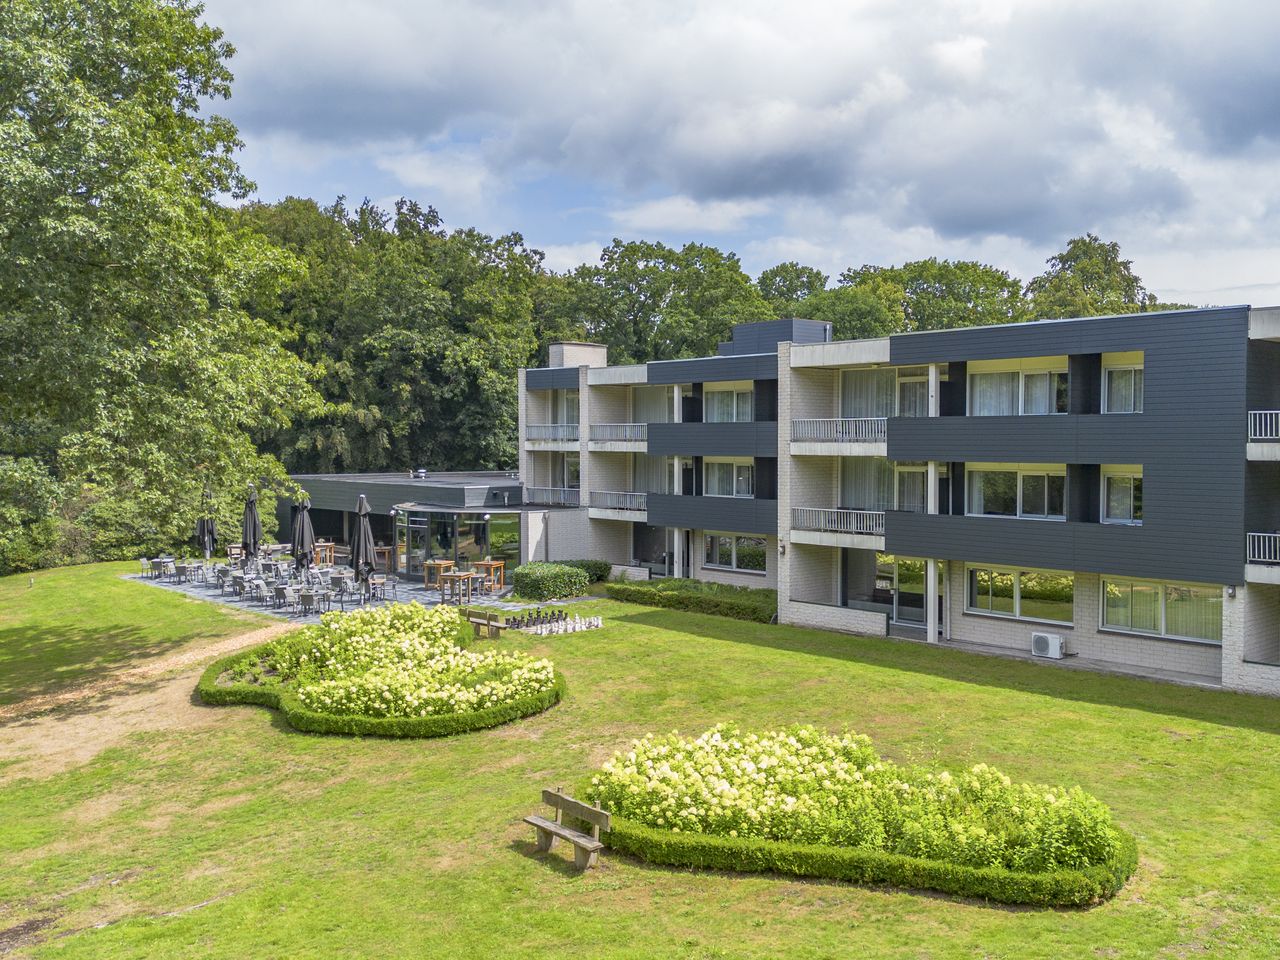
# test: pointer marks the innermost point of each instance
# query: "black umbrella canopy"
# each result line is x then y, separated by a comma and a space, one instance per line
363, 557
303, 544
251, 527
206, 532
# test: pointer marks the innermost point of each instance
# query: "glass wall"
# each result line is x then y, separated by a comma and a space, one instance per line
423, 535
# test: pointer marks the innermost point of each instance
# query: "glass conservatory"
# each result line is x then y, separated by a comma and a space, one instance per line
430, 533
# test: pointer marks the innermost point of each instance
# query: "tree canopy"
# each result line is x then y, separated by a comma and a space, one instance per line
1090, 279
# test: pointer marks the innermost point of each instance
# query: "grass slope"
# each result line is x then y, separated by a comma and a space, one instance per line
255, 840
76, 623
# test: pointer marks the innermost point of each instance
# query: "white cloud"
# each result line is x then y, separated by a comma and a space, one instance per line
455, 175
685, 214
563, 257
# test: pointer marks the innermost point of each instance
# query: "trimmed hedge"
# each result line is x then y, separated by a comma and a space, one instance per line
282, 698
549, 581
722, 600
597, 570
1061, 888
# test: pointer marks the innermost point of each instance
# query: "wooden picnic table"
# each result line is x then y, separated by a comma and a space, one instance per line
497, 569
456, 580
440, 567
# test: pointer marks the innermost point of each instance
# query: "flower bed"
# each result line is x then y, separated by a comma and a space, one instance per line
804, 802
396, 670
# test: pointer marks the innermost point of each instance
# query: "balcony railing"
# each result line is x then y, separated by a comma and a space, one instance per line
551, 431
866, 430
633, 432
866, 522
618, 500
553, 496
1264, 424
1263, 548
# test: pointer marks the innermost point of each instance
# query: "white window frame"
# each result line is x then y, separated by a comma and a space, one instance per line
1106, 387
737, 389
1164, 586
1017, 573
898, 470
733, 551
1028, 367
1020, 470
1112, 472
897, 391
737, 463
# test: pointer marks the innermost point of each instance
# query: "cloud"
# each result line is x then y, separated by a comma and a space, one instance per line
683, 214
459, 174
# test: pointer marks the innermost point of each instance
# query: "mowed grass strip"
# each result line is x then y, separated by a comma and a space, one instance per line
60, 627
255, 840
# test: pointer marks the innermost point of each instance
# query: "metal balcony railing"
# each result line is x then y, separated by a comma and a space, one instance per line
867, 522
618, 500
865, 430
553, 496
633, 432
1263, 548
551, 431
1264, 424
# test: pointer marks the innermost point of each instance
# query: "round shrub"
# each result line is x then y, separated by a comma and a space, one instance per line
597, 570
549, 581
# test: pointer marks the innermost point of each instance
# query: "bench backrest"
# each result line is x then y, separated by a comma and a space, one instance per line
570, 807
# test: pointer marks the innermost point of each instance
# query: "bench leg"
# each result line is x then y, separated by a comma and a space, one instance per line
584, 859
546, 839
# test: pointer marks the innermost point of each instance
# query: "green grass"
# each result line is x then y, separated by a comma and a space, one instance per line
248, 839
61, 626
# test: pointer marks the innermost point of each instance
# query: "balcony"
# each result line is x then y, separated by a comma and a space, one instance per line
619, 437
553, 496
551, 436
863, 437
618, 505
1264, 435
860, 529
1262, 557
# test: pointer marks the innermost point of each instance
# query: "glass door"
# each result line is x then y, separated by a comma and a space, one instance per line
908, 591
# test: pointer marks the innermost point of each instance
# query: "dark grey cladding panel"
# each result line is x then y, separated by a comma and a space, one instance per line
728, 514
1054, 439
709, 369
1153, 332
753, 439
551, 378
765, 336
343, 494
1199, 552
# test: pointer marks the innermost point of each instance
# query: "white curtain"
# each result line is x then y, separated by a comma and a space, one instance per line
911, 484
718, 406
866, 483
1037, 396
650, 474
651, 404
993, 394
867, 393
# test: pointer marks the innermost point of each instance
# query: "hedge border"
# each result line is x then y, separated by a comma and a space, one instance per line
311, 721
718, 605
1060, 888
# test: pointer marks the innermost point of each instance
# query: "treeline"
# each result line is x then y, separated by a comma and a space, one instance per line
157, 342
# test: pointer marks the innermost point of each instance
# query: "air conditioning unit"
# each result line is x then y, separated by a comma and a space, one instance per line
1050, 645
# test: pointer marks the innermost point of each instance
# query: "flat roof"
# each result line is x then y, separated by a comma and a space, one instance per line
457, 478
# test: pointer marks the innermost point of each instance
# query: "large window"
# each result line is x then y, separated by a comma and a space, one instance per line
564, 406
911, 487
867, 393
729, 478
866, 483
1122, 390
1122, 495
732, 552
1010, 393
1034, 493
1046, 595
728, 405
913, 392
1184, 611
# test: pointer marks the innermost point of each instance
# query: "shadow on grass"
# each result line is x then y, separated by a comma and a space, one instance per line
1134, 693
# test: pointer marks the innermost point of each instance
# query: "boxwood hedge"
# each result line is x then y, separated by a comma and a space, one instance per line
549, 581
740, 603
282, 698
1060, 888
597, 570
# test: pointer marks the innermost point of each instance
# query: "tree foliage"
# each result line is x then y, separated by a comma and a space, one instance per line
786, 285
1090, 279
938, 294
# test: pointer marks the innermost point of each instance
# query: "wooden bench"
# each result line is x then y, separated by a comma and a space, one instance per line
585, 845
485, 622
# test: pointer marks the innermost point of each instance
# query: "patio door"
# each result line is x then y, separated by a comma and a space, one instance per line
908, 590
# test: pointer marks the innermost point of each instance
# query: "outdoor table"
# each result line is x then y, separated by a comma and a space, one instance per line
324, 552
382, 557
440, 567
456, 581
497, 569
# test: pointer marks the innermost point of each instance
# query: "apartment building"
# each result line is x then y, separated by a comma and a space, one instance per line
1105, 490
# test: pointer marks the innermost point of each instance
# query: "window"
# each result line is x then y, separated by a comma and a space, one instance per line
1022, 594
570, 470
564, 406
727, 478
1012, 393
1122, 390
1183, 611
866, 483
734, 553
911, 485
1122, 497
728, 406
867, 393
913, 396
1034, 493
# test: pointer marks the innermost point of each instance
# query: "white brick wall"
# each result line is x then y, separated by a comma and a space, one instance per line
610, 471
1251, 640
610, 540
610, 404
839, 619
568, 534
814, 483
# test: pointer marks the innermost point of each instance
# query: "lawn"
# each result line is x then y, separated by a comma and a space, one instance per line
62, 626
247, 839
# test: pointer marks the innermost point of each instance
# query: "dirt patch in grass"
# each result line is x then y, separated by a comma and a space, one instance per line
24, 934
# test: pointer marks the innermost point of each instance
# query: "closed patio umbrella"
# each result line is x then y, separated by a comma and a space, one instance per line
363, 557
251, 527
303, 543
206, 532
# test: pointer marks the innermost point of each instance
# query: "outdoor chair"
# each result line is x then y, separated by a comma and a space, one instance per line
157, 569
145, 564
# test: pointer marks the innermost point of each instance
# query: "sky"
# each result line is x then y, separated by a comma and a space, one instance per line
835, 134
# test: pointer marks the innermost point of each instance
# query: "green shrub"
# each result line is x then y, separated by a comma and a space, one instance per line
597, 570
802, 801
549, 581
740, 603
